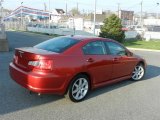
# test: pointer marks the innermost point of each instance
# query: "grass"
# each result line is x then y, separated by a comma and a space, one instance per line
153, 44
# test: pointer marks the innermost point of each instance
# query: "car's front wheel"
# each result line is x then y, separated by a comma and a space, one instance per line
138, 72
79, 88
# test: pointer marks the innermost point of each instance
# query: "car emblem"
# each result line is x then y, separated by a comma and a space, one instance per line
20, 53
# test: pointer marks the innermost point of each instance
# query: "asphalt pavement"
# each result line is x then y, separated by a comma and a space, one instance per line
126, 100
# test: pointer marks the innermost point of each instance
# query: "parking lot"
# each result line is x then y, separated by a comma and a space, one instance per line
126, 100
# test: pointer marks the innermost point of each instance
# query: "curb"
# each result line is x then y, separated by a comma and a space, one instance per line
139, 49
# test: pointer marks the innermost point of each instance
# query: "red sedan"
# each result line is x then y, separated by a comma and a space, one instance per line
73, 65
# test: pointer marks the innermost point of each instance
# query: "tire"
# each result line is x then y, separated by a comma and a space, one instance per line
138, 72
78, 88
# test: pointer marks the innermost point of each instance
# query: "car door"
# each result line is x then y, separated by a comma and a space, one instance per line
122, 64
97, 62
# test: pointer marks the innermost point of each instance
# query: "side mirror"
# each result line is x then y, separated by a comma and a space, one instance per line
129, 53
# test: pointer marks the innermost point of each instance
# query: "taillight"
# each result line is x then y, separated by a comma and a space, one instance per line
15, 59
41, 64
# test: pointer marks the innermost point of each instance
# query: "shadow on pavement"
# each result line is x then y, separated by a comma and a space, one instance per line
14, 98
20, 99
151, 72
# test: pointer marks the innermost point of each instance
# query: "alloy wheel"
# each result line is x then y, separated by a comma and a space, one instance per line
138, 72
80, 88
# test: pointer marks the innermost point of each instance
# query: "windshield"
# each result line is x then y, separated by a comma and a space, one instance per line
59, 44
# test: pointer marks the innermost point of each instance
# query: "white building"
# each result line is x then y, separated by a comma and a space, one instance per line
77, 23
154, 22
56, 15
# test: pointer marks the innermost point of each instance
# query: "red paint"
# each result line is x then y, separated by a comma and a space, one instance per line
58, 69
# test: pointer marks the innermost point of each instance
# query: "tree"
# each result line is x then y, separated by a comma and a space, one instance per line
74, 11
112, 29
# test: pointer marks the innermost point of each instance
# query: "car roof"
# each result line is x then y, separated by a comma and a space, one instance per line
90, 38
82, 37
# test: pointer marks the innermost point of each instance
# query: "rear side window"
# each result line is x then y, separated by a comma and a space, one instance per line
115, 49
59, 44
94, 48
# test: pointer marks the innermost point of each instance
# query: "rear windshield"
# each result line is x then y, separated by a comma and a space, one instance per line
59, 44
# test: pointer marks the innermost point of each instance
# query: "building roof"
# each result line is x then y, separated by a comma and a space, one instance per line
23, 10
60, 11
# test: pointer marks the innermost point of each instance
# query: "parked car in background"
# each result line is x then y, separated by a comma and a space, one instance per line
140, 29
125, 28
74, 65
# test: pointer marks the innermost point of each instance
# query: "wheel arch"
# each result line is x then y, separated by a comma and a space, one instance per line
81, 73
142, 62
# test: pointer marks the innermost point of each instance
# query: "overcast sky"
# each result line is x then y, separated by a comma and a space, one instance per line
87, 5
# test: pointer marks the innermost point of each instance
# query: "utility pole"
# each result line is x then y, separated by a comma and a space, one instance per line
21, 15
45, 7
77, 6
66, 7
1, 10
95, 3
157, 10
49, 14
118, 9
141, 13
2, 13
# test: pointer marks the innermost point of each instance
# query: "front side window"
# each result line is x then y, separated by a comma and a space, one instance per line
58, 44
115, 49
94, 48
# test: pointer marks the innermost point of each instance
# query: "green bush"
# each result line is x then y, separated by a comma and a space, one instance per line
112, 29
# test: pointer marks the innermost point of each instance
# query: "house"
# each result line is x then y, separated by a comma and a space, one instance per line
56, 15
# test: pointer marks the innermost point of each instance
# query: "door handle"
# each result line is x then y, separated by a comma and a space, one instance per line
90, 60
115, 59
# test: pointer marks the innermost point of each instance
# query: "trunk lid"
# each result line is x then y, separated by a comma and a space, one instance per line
24, 55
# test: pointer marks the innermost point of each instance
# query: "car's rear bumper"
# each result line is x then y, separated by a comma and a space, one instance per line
47, 83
